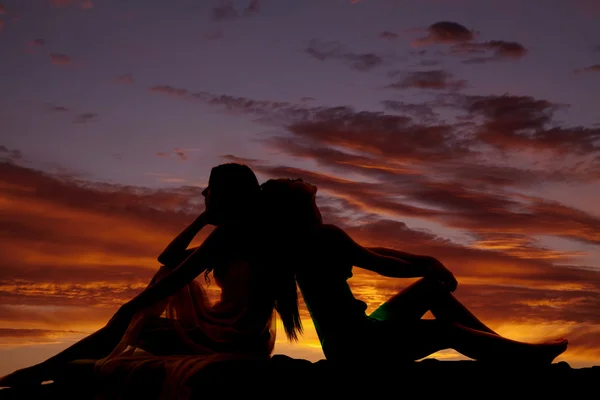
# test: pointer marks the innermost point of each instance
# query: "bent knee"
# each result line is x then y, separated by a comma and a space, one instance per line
433, 285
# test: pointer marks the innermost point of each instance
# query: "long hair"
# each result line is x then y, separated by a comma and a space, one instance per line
287, 211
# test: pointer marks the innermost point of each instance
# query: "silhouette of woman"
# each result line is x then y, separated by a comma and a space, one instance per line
323, 256
194, 333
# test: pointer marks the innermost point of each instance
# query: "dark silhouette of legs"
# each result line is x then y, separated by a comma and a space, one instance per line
420, 338
427, 295
95, 346
455, 327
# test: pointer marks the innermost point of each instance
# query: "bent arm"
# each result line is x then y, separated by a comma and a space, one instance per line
409, 257
205, 255
177, 250
363, 257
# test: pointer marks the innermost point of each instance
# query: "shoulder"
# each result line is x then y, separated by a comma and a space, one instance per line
331, 232
333, 236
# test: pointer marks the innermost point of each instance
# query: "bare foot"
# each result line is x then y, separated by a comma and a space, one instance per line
546, 352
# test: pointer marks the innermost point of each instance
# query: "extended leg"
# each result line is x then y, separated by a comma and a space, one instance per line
427, 295
95, 346
421, 338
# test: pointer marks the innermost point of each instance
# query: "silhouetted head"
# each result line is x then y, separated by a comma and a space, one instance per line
232, 193
290, 203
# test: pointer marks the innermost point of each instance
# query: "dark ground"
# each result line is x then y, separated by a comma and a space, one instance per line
285, 377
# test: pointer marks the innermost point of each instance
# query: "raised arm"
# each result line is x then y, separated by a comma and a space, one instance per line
177, 250
207, 254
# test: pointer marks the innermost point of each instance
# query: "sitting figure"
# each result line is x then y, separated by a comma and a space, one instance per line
323, 256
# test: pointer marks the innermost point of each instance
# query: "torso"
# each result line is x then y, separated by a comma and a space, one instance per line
323, 281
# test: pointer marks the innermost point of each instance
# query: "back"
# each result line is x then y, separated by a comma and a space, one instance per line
322, 277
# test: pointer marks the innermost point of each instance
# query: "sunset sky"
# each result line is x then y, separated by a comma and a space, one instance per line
464, 129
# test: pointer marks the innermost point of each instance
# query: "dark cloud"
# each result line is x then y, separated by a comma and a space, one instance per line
433, 79
388, 35
253, 7
591, 68
169, 90
461, 41
410, 192
37, 42
227, 10
335, 51
8, 155
502, 48
85, 117
422, 111
446, 32
2, 9
394, 137
59, 109
456, 172
524, 123
494, 50
60, 59
181, 154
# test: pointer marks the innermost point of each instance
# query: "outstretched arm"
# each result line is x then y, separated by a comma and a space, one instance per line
408, 257
177, 250
387, 262
344, 246
434, 268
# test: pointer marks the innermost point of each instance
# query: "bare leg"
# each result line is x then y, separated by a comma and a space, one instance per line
427, 295
95, 346
429, 336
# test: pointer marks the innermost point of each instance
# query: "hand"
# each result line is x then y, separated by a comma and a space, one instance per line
203, 218
437, 270
206, 218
